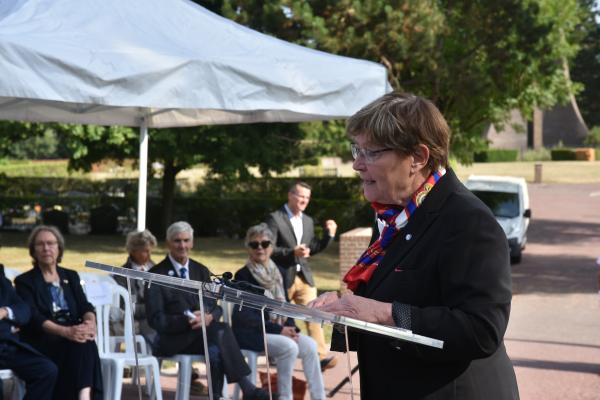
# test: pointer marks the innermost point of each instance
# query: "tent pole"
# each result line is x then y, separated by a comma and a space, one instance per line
142, 181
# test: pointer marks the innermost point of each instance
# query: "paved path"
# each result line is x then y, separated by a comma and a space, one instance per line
553, 336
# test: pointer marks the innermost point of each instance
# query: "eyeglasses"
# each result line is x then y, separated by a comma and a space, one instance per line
368, 155
41, 245
264, 244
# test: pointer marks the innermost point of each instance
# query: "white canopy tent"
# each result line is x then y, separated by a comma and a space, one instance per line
164, 63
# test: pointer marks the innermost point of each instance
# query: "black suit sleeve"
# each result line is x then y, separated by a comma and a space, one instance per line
158, 318
20, 309
283, 254
26, 289
317, 245
475, 289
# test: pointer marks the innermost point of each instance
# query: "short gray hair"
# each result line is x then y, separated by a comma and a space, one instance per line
261, 229
46, 228
139, 240
403, 121
178, 227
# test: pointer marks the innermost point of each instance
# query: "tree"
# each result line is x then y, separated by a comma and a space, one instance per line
228, 151
477, 60
12, 133
586, 66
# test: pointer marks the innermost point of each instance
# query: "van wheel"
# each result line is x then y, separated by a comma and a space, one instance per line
516, 259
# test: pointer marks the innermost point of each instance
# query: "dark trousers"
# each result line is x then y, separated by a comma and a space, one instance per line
38, 372
225, 356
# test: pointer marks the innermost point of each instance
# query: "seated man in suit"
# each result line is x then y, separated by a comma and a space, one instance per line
38, 372
174, 313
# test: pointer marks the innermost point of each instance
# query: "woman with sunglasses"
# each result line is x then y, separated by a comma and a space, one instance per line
284, 341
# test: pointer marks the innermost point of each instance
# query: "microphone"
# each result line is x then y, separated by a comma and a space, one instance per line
224, 278
227, 276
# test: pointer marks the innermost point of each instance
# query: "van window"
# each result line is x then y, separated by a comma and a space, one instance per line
502, 204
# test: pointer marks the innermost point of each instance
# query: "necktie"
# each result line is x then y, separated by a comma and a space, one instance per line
183, 273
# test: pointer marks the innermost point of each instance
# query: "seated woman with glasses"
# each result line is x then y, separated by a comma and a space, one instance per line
284, 342
63, 323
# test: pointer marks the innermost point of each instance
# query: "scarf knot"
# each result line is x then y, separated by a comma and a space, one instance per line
395, 218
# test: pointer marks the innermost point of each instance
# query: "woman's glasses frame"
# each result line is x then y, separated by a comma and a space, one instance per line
368, 155
263, 243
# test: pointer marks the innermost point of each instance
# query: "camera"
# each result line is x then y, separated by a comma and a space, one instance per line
62, 317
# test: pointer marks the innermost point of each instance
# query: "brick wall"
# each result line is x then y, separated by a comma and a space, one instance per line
352, 244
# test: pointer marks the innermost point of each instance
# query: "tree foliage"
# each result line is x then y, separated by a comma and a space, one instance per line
586, 66
475, 59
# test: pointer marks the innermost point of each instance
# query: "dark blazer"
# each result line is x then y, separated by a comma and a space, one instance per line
165, 307
20, 309
451, 265
34, 290
247, 323
285, 241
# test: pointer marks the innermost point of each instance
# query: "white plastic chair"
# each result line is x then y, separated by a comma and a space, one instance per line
11, 273
18, 389
115, 341
113, 363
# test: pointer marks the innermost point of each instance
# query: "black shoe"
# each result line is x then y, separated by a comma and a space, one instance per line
260, 394
328, 363
195, 374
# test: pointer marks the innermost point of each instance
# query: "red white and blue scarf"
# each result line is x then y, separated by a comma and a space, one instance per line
395, 218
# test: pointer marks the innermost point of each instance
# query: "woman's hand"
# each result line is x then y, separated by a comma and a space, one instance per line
324, 299
356, 307
90, 327
76, 333
290, 331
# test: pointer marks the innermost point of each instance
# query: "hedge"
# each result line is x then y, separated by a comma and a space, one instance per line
563, 154
217, 207
496, 155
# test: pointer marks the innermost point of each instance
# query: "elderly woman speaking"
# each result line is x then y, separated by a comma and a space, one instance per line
438, 264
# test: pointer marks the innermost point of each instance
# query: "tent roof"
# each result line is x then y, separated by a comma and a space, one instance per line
112, 62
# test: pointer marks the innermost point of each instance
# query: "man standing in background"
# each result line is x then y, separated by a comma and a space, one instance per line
295, 243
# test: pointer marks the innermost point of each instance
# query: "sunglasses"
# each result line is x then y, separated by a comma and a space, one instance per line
264, 244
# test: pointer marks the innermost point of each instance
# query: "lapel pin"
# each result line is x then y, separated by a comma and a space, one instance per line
171, 273
408, 236
66, 281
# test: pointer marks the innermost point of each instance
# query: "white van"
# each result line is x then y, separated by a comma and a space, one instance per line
508, 199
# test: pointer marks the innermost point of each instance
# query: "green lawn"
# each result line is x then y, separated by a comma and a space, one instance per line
553, 171
219, 254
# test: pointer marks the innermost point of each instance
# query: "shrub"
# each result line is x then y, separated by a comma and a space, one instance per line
496, 155
541, 154
563, 154
593, 138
